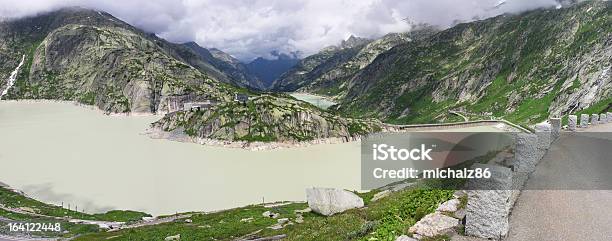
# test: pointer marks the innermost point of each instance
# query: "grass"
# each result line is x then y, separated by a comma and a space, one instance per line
70, 229
602, 106
12, 199
224, 225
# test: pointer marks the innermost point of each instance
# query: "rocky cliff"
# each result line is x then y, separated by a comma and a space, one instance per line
312, 67
265, 118
93, 58
523, 67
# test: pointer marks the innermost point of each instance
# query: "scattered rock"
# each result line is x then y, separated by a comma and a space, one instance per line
449, 206
270, 214
188, 221
305, 210
405, 238
276, 226
329, 201
171, 238
603, 118
247, 220
380, 195
299, 219
282, 220
27, 209
434, 224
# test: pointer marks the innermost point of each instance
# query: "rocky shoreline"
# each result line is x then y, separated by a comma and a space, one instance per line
179, 136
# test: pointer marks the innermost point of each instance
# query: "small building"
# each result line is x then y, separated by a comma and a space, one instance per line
242, 98
196, 106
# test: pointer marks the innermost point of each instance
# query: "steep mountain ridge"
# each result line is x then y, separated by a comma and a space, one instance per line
311, 67
92, 58
520, 67
235, 71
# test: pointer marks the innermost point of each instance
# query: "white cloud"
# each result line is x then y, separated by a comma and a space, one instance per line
251, 28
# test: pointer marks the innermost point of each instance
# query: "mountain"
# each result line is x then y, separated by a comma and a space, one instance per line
268, 70
327, 72
93, 58
311, 67
523, 67
237, 73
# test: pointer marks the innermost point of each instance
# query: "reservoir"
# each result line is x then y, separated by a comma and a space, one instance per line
318, 101
58, 152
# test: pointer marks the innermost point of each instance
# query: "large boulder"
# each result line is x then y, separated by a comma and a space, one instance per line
572, 122
609, 117
603, 118
329, 201
433, 224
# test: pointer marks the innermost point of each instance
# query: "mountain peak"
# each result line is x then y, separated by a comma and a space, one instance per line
353, 41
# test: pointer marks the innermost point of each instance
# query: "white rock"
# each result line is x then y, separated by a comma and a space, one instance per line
188, 221
270, 214
609, 117
171, 238
276, 227
584, 121
572, 121
603, 118
305, 210
434, 224
329, 201
247, 220
282, 220
380, 195
405, 238
449, 206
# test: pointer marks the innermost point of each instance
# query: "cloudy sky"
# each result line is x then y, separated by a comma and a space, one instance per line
250, 28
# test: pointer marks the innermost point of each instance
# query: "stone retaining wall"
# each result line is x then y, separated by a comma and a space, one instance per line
490, 201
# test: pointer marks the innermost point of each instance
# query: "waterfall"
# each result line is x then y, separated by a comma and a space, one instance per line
12, 78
